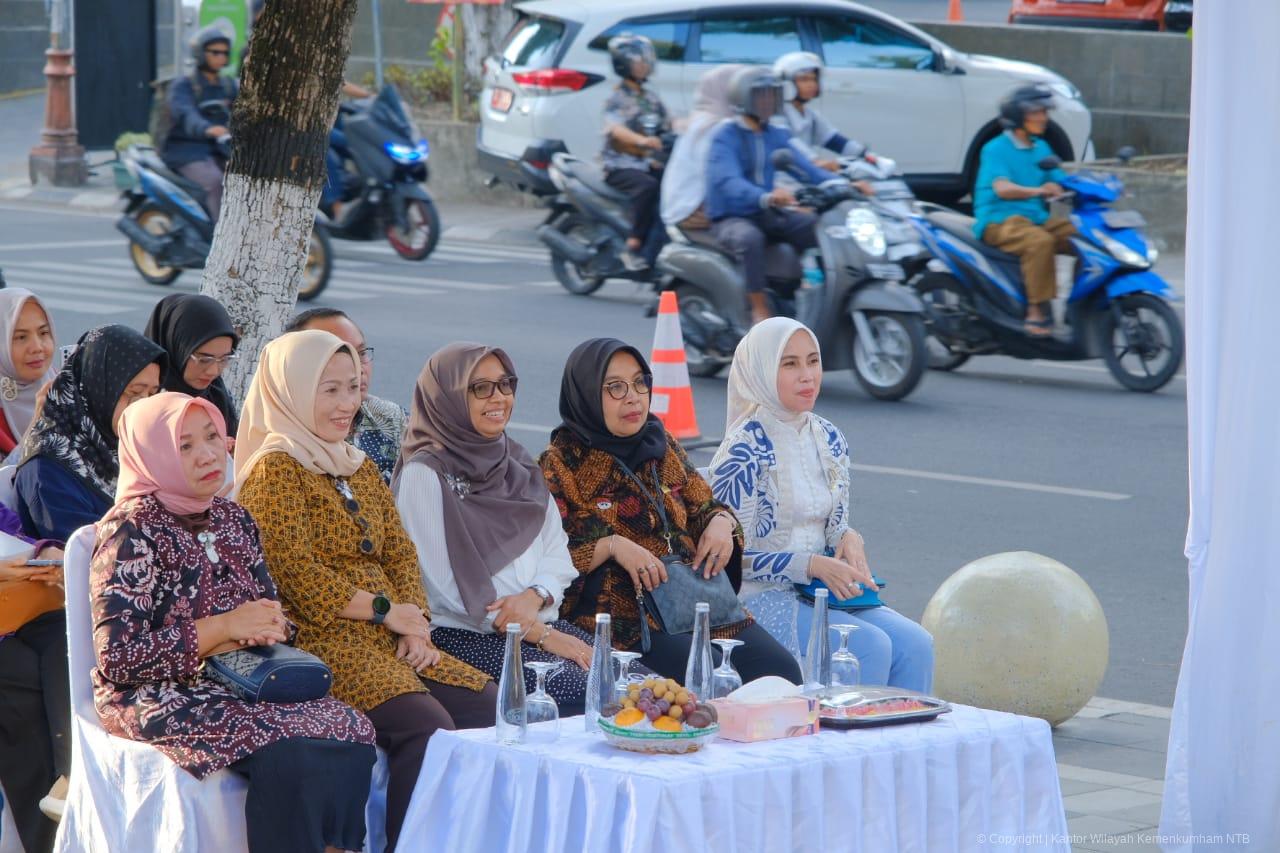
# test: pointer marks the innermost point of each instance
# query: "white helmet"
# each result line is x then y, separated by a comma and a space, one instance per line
791, 64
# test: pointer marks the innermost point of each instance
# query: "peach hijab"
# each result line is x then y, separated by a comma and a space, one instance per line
151, 451
279, 411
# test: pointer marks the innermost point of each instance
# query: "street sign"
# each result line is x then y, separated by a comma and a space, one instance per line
233, 17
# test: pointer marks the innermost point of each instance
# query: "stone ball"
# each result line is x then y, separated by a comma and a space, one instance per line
1018, 632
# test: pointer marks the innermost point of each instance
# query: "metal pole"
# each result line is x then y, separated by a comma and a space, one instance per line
459, 61
377, 43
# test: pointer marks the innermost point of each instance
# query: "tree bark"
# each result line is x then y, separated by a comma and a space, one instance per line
280, 133
485, 27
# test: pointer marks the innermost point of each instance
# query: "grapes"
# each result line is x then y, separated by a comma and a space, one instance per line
652, 713
664, 705
646, 693
688, 708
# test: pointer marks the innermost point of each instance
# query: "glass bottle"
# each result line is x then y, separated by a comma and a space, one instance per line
817, 658
512, 725
697, 672
600, 676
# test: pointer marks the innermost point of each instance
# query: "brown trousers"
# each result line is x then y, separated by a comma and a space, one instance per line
1036, 246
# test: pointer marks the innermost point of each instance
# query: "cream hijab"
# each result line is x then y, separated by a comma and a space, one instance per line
279, 410
753, 377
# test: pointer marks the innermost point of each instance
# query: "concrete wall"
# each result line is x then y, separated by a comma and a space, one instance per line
1138, 85
455, 170
24, 35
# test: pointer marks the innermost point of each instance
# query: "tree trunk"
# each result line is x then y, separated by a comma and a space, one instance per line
485, 28
280, 127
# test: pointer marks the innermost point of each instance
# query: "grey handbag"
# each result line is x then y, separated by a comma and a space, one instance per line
673, 602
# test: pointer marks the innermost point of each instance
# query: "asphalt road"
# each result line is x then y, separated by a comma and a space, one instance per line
999, 456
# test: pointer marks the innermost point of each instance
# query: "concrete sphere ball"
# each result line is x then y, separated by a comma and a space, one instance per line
1018, 632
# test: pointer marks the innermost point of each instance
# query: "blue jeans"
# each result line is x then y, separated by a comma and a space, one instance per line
891, 648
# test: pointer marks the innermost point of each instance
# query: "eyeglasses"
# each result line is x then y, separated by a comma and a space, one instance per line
352, 506
483, 388
618, 389
218, 52
205, 360
366, 355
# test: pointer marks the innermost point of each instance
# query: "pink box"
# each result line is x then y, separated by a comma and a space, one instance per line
777, 718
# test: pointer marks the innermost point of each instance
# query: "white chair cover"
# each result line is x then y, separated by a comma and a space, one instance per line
8, 494
9, 842
126, 795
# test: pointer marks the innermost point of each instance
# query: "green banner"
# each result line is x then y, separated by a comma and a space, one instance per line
233, 17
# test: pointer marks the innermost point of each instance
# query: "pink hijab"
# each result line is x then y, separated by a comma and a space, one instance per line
150, 454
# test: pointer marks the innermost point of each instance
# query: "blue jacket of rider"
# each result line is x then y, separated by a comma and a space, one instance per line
191, 98
740, 168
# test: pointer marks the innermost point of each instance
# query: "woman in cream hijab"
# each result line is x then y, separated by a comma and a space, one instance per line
684, 181
347, 572
784, 471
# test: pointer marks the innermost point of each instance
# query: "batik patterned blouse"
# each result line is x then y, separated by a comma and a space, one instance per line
378, 431
314, 547
597, 499
151, 580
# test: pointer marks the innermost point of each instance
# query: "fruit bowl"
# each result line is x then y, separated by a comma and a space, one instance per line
639, 740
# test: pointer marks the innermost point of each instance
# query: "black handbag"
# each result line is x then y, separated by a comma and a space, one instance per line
673, 603
276, 673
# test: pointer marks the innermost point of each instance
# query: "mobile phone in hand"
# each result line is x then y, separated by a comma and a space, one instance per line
36, 563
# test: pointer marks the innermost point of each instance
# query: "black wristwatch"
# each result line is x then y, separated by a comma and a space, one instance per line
541, 591
381, 607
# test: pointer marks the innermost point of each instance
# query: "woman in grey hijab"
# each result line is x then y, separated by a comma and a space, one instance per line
684, 183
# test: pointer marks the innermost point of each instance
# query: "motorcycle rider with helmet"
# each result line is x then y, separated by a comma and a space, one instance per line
1010, 200
746, 210
199, 110
801, 75
634, 116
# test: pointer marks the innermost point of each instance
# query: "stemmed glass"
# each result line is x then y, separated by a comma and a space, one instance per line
539, 706
622, 663
724, 678
845, 669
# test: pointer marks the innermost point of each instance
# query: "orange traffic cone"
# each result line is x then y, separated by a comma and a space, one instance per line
954, 13
672, 394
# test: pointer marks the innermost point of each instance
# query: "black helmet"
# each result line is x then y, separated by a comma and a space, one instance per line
756, 92
1022, 100
204, 37
626, 49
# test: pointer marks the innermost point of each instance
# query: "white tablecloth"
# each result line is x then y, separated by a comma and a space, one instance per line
972, 780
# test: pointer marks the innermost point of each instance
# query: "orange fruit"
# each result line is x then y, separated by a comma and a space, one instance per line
628, 717
667, 724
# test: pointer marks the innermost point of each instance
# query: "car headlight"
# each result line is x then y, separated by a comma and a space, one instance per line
1064, 89
866, 230
1121, 252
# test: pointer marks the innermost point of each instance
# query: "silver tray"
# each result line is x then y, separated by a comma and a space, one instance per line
838, 707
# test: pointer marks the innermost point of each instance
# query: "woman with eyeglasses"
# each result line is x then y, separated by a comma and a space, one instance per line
27, 363
463, 483
201, 341
347, 573
635, 509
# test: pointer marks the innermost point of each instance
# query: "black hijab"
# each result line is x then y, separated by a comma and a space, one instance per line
74, 428
182, 323
582, 410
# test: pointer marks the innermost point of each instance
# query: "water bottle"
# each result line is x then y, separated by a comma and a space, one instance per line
811, 264
511, 723
817, 658
697, 672
600, 676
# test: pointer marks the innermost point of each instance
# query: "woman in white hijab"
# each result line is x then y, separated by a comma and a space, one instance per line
684, 181
784, 471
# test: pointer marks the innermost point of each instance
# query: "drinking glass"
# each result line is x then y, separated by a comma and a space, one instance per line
724, 678
845, 669
622, 664
539, 706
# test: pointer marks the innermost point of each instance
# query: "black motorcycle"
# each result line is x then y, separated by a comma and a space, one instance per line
384, 172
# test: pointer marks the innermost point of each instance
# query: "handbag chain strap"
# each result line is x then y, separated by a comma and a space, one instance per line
654, 498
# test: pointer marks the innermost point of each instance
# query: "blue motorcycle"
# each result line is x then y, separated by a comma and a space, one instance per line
1118, 309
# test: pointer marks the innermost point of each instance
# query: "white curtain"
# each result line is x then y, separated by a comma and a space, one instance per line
1222, 781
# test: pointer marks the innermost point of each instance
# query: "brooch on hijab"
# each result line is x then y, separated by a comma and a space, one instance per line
8, 389
461, 486
207, 538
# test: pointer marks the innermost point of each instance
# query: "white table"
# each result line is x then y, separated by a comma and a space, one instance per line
972, 780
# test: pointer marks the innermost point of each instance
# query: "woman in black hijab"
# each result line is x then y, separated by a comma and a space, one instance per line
201, 340
628, 497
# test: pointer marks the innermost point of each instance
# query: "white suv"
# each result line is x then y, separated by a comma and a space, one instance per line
887, 84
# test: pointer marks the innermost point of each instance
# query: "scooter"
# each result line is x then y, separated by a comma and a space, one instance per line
894, 202
846, 291
1118, 308
169, 228
384, 172
588, 223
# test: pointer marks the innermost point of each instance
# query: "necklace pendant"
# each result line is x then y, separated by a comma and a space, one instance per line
207, 539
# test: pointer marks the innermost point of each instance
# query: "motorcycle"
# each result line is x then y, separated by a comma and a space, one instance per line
588, 223
169, 228
384, 170
1118, 308
846, 291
